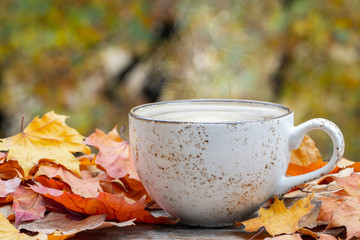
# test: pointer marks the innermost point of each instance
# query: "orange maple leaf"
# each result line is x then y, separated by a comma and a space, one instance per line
74, 202
45, 138
10, 169
131, 188
118, 208
278, 219
294, 169
114, 154
115, 207
52, 183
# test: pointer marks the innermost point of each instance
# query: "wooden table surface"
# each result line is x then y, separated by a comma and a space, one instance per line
162, 231
178, 231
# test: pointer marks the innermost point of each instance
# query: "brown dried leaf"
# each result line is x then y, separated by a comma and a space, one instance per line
59, 222
310, 220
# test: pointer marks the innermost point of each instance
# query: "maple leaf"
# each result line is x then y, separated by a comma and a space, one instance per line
307, 158
45, 138
347, 214
74, 202
350, 184
115, 207
114, 154
294, 169
306, 154
62, 226
129, 187
52, 183
10, 169
9, 232
118, 208
9, 186
329, 204
278, 219
87, 186
27, 205
340, 200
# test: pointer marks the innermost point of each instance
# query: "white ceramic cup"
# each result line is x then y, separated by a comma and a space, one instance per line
213, 162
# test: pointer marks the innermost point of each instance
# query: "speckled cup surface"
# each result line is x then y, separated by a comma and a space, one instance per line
211, 170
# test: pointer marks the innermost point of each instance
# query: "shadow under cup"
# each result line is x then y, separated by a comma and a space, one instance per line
213, 162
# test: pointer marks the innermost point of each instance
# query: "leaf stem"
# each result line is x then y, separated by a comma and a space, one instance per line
22, 123
261, 230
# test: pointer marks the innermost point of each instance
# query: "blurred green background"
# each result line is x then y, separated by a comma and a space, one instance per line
93, 60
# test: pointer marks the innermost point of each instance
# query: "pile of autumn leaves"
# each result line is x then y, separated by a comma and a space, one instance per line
47, 190
327, 208
53, 186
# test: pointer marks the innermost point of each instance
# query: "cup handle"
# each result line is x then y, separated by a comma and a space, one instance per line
297, 134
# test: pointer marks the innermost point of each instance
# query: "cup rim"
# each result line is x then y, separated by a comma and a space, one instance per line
133, 114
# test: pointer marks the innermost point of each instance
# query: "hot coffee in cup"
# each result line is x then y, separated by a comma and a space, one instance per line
214, 162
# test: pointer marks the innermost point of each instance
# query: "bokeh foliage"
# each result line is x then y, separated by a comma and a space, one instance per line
50, 56
93, 60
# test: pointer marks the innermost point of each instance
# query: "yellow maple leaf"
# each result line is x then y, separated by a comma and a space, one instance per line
278, 219
9, 232
45, 138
